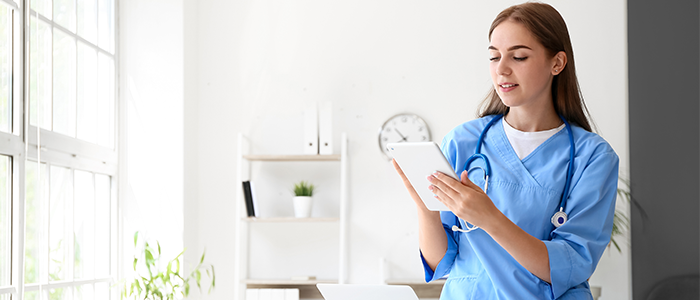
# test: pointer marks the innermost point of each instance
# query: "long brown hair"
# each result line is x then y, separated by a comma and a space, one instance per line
549, 28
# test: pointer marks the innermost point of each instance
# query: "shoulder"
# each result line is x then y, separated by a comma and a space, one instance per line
591, 145
463, 136
466, 132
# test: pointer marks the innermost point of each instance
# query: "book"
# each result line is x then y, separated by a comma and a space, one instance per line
248, 195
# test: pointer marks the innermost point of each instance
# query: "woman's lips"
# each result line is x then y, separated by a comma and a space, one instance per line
507, 86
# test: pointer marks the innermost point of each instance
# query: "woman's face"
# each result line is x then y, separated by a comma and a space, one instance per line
521, 69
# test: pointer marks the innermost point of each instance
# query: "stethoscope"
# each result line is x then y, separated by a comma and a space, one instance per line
560, 217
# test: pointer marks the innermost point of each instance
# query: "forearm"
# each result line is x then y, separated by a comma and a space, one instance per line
431, 237
529, 251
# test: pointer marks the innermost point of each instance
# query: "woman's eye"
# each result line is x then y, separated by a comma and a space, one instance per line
494, 58
520, 58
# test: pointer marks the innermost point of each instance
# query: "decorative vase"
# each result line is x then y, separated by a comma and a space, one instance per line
302, 206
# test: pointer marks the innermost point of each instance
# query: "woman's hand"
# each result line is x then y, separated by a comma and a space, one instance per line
464, 198
409, 187
431, 234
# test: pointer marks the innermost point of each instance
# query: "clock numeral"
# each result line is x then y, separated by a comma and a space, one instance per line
420, 128
388, 129
425, 138
404, 119
385, 139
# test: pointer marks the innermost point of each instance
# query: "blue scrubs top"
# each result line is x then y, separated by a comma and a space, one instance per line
528, 192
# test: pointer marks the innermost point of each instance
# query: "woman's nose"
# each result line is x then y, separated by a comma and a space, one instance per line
502, 68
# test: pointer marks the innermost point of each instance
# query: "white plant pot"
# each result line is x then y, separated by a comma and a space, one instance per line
302, 206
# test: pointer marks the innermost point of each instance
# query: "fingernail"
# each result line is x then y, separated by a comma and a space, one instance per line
430, 187
430, 178
435, 174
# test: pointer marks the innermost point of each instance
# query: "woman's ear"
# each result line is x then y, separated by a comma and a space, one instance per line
559, 61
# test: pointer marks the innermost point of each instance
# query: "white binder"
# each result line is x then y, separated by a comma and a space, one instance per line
311, 130
325, 128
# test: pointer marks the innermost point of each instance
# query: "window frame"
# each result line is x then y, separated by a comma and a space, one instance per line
26, 142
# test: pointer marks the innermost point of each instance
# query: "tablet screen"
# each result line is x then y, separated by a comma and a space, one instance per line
418, 161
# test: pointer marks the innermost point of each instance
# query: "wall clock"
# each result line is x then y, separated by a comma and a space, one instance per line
403, 128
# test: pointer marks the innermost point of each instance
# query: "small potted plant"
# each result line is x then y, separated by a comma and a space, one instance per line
303, 193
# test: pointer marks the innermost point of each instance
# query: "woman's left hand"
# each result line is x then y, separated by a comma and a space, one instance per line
464, 198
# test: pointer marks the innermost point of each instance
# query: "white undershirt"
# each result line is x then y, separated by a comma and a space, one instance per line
525, 142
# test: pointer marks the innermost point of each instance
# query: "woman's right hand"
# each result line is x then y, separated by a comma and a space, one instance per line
409, 187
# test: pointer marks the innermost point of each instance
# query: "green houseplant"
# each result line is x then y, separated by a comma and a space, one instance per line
303, 189
303, 193
162, 284
621, 222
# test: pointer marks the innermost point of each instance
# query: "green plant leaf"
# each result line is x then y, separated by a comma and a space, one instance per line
138, 287
170, 265
177, 270
136, 238
213, 277
303, 188
199, 279
135, 261
158, 248
149, 257
202, 259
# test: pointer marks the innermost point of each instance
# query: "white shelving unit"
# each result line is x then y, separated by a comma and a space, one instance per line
244, 159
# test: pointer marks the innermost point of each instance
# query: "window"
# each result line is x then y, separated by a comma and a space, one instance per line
58, 149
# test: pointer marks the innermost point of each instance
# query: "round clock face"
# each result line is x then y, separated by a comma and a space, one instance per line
403, 128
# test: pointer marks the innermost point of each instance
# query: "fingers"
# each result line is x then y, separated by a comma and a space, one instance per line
411, 191
398, 170
442, 196
446, 184
466, 181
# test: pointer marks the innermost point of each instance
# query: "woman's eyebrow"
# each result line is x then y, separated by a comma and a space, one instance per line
511, 48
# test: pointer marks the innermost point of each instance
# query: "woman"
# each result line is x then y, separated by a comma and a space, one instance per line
507, 242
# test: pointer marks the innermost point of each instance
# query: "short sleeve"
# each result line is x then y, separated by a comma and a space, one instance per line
576, 247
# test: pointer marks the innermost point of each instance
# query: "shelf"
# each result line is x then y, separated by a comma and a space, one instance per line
284, 282
290, 220
303, 157
245, 241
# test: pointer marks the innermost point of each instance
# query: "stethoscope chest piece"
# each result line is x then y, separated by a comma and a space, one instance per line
559, 218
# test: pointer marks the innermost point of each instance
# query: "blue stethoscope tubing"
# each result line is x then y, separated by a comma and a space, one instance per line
560, 217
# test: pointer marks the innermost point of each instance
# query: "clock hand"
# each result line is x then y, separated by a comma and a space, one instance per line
402, 137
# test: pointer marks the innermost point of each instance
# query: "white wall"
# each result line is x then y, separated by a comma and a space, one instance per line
258, 63
151, 88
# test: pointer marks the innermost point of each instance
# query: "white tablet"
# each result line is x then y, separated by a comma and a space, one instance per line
418, 161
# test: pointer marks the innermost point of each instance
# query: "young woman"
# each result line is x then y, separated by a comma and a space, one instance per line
536, 226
